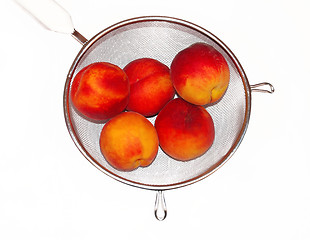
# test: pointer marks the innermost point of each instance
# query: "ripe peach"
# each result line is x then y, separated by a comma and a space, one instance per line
200, 74
100, 91
150, 86
128, 141
185, 131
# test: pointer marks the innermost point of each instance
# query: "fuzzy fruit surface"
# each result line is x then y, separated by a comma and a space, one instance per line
150, 86
185, 131
100, 91
200, 74
129, 141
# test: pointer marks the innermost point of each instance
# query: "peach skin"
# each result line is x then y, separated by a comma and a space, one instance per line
200, 74
129, 141
185, 131
150, 86
100, 91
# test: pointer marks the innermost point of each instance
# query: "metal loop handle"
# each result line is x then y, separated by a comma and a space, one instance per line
255, 87
160, 206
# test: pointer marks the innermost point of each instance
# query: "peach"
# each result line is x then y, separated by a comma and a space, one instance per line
100, 91
129, 141
200, 74
150, 86
185, 130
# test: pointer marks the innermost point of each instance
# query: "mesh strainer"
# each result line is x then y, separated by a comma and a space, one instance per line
161, 38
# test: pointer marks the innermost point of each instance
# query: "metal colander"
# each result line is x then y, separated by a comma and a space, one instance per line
160, 38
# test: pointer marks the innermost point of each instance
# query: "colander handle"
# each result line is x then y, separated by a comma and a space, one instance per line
52, 16
257, 87
160, 209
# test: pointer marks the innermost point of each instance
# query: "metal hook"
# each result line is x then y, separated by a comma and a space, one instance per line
160, 206
255, 87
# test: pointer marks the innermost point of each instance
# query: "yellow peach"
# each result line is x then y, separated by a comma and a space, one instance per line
185, 130
150, 86
128, 141
200, 74
100, 91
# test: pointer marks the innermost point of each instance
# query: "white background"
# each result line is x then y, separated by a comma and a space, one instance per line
48, 190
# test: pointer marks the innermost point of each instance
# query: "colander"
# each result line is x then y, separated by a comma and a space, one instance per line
160, 38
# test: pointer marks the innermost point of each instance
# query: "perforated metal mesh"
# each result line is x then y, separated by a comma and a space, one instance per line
161, 39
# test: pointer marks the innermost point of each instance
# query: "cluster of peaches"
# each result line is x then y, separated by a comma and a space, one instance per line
177, 96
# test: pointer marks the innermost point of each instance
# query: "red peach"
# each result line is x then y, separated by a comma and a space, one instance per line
128, 141
150, 86
100, 91
185, 131
200, 74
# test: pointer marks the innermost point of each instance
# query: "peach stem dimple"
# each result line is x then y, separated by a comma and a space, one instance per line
137, 162
212, 93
